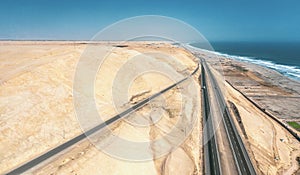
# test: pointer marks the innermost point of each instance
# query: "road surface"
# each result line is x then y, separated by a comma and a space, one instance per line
242, 160
211, 154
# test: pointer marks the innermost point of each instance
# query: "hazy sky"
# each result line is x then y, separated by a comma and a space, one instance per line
223, 20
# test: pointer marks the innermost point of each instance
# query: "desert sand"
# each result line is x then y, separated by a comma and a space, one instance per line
37, 112
272, 148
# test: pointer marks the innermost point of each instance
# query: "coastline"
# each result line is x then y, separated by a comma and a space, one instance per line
265, 101
266, 86
290, 71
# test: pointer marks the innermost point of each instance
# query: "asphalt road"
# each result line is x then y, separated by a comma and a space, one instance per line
211, 154
25, 167
243, 162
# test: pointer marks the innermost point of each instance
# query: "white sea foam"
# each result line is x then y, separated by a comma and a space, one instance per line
292, 72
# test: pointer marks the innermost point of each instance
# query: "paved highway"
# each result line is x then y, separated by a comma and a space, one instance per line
211, 154
242, 160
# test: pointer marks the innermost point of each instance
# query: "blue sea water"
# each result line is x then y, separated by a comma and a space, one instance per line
282, 57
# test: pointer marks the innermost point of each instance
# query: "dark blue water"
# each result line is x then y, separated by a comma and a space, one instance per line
283, 57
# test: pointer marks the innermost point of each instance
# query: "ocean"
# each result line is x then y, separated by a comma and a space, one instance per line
282, 57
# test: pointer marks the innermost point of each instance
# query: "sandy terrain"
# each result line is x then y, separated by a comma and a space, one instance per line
272, 148
37, 111
266, 87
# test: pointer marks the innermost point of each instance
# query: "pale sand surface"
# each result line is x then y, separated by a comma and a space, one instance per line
267, 87
272, 148
37, 111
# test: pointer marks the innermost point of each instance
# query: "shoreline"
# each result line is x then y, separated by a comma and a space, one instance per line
268, 88
266, 101
290, 71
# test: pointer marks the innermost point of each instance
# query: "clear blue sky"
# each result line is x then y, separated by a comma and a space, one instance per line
217, 20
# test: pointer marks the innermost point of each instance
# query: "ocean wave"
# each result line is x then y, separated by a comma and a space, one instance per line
292, 72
